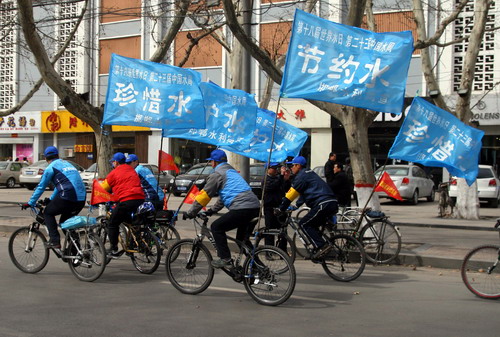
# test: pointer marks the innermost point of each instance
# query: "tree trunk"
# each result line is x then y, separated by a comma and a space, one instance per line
467, 206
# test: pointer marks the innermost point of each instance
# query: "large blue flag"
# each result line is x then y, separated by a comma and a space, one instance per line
144, 93
434, 137
230, 117
331, 62
288, 140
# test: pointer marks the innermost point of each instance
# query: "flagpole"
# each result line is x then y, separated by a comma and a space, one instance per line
268, 161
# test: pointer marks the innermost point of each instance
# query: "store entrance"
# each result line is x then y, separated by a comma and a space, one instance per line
188, 152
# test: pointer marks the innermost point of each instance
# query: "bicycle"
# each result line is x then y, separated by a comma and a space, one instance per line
346, 261
479, 270
82, 249
136, 240
380, 238
266, 272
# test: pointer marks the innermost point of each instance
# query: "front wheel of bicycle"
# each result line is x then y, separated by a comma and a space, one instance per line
269, 276
381, 241
188, 266
346, 261
481, 271
28, 251
147, 258
90, 260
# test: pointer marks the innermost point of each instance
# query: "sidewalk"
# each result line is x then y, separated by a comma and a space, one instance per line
427, 239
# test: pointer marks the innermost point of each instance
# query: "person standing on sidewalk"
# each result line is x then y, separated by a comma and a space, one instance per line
318, 196
340, 186
125, 184
332, 159
69, 194
236, 195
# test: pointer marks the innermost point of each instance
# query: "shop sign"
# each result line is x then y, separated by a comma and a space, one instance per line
20, 122
83, 148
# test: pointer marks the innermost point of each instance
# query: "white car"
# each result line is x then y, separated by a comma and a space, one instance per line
488, 186
31, 175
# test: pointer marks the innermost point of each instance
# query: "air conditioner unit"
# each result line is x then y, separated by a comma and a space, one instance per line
68, 153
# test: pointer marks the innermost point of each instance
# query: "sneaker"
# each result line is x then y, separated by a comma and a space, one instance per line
54, 245
325, 249
222, 263
114, 253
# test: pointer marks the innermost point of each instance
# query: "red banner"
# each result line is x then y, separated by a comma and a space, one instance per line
99, 194
192, 195
166, 162
387, 185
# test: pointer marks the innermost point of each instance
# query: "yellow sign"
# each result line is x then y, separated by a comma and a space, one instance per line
60, 121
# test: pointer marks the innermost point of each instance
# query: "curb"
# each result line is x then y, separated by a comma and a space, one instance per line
473, 228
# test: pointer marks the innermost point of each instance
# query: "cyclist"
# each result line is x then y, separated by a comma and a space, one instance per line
69, 194
148, 182
318, 196
235, 194
125, 184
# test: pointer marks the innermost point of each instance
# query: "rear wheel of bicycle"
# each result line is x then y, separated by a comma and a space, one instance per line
90, 262
188, 267
280, 240
346, 261
148, 256
381, 241
168, 236
269, 276
481, 271
28, 251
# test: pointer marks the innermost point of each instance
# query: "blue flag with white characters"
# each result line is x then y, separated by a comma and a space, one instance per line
230, 117
434, 137
288, 139
150, 94
331, 62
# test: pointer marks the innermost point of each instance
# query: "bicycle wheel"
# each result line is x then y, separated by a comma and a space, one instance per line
280, 240
381, 241
90, 261
148, 256
188, 266
481, 271
102, 232
346, 261
167, 235
269, 276
301, 212
28, 251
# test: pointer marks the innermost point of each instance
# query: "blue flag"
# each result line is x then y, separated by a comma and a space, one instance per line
230, 117
288, 140
331, 62
150, 94
434, 137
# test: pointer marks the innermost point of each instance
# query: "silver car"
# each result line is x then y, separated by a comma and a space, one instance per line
411, 181
9, 172
31, 175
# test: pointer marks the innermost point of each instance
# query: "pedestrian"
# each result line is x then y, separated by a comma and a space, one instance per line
332, 159
340, 186
350, 176
274, 191
17, 159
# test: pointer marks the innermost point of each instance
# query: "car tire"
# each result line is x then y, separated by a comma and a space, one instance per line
432, 197
30, 187
177, 194
10, 183
414, 198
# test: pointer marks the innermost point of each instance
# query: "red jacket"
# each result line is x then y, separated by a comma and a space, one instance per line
124, 182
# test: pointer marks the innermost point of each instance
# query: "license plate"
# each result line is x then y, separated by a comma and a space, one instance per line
29, 173
255, 183
182, 188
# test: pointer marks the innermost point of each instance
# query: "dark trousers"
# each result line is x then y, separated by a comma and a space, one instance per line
272, 223
122, 213
66, 208
317, 217
240, 219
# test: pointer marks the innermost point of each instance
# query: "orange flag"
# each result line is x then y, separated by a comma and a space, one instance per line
192, 195
166, 162
387, 185
99, 194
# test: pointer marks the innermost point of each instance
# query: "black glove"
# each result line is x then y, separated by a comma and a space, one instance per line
46, 201
25, 206
277, 212
209, 212
187, 216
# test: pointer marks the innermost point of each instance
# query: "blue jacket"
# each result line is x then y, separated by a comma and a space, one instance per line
66, 179
311, 188
149, 184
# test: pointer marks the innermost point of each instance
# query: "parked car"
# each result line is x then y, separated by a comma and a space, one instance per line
320, 170
257, 173
32, 174
196, 174
488, 186
411, 182
90, 174
9, 172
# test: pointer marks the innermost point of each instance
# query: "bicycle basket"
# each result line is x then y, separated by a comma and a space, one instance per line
375, 214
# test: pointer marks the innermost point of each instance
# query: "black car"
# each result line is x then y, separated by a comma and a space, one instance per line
257, 172
197, 174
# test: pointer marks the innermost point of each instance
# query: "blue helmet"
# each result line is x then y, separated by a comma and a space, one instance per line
51, 151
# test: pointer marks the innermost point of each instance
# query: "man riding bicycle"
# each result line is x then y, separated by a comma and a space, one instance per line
149, 183
69, 194
318, 196
235, 194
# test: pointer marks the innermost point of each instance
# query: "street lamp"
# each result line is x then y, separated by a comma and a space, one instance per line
433, 93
